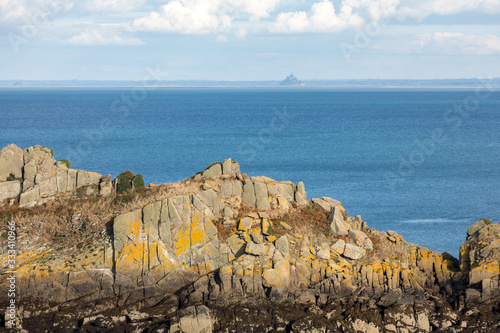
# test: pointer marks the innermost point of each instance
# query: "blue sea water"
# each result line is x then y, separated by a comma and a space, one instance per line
425, 163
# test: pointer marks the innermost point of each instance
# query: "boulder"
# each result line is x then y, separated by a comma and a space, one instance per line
337, 223
354, 252
11, 162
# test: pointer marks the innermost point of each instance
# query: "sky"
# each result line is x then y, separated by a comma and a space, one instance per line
249, 40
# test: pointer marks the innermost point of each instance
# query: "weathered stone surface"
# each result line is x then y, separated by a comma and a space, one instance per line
282, 189
361, 239
337, 223
282, 245
390, 298
326, 203
301, 200
261, 196
11, 162
29, 198
194, 319
249, 193
338, 247
353, 252
245, 223
213, 171
301, 189
267, 227
475, 227
227, 168
323, 252
87, 178
255, 249
10, 190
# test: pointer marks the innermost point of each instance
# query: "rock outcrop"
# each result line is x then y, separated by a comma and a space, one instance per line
240, 253
33, 177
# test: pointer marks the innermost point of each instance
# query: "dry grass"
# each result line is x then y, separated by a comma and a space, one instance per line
51, 221
308, 218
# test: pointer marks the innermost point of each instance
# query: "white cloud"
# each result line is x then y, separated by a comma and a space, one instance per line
94, 37
457, 43
32, 11
113, 5
321, 18
202, 16
424, 8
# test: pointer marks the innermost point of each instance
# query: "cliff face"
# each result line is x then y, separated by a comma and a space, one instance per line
222, 251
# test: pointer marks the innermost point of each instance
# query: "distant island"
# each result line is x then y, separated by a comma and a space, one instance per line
291, 80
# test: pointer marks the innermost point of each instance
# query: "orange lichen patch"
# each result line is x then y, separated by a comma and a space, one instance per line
484, 271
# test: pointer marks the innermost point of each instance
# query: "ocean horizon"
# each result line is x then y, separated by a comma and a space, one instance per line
422, 162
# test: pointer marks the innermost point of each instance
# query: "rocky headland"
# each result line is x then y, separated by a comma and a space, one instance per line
221, 252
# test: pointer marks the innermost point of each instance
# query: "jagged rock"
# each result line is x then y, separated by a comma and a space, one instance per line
475, 227
11, 162
10, 190
353, 252
337, 223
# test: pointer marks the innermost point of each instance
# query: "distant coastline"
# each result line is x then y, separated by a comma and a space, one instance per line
307, 84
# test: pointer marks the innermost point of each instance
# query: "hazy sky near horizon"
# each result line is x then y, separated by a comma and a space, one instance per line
249, 40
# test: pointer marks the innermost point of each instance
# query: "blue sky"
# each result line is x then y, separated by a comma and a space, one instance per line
249, 40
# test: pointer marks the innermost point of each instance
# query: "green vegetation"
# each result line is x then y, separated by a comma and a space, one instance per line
66, 162
124, 181
138, 181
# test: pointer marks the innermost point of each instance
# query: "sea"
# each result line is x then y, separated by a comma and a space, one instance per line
422, 162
